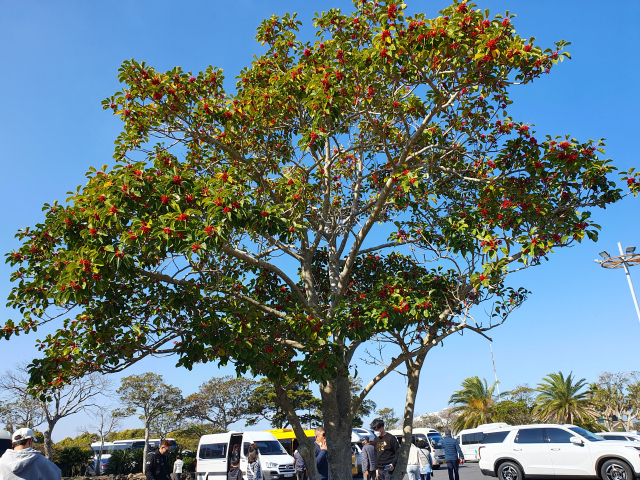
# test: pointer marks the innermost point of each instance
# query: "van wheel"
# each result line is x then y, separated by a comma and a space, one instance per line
615, 470
510, 471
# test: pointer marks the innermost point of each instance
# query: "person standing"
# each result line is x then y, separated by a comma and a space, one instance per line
387, 449
368, 460
322, 462
234, 472
301, 468
254, 469
157, 464
452, 454
424, 459
177, 467
25, 463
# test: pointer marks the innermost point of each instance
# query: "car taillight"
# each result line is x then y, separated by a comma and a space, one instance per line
480, 452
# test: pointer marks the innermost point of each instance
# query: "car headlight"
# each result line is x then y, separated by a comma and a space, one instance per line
629, 446
271, 465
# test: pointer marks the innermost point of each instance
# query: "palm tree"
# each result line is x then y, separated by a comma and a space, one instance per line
474, 402
560, 399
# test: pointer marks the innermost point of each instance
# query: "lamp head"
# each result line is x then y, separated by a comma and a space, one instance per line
630, 250
604, 254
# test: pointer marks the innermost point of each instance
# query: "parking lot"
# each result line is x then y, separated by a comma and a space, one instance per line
468, 471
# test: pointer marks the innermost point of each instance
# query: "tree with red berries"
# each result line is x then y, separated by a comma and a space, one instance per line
369, 184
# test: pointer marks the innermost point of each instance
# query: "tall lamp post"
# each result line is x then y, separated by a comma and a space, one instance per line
625, 260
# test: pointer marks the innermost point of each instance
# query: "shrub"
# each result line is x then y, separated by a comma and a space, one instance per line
123, 462
73, 461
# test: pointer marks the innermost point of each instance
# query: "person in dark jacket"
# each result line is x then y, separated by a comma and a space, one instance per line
452, 454
234, 472
157, 465
368, 460
301, 468
322, 462
387, 449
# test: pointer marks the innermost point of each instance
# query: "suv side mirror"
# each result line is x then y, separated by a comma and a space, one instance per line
576, 440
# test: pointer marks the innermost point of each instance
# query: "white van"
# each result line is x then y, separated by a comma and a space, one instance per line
433, 439
471, 438
214, 455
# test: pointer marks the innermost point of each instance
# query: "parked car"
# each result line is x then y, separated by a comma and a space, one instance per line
623, 436
5, 441
514, 453
214, 455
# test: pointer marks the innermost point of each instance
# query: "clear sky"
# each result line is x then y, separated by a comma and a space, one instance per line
60, 59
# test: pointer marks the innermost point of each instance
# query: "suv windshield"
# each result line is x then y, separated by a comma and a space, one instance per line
435, 439
586, 434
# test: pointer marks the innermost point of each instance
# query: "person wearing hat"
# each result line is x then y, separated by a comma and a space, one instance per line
25, 463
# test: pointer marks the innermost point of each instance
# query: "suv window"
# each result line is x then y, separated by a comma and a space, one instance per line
213, 450
557, 435
494, 437
529, 435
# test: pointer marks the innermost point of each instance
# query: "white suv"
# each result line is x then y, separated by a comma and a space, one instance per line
513, 453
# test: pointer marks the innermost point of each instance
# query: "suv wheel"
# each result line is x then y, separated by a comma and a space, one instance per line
512, 471
616, 470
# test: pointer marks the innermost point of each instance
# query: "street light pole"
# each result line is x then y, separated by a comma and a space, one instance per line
626, 271
627, 258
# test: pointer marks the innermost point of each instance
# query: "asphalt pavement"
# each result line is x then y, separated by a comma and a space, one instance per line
468, 471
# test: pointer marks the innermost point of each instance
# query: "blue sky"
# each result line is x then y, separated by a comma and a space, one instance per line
61, 58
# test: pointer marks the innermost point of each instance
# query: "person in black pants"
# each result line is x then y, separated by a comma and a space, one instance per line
387, 449
452, 454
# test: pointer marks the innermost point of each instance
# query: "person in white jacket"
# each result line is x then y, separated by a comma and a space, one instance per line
419, 462
25, 463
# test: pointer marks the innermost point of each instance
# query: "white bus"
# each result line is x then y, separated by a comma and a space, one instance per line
471, 438
109, 447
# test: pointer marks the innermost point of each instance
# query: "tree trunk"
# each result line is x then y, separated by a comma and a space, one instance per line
48, 444
336, 414
306, 445
413, 381
96, 470
147, 422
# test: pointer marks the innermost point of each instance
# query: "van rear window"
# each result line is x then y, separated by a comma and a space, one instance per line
471, 438
4, 445
212, 450
494, 437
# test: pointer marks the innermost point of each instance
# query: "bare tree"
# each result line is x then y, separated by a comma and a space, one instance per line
65, 401
20, 413
106, 420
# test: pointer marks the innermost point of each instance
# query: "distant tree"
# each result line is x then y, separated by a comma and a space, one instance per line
388, 416
221, 401
429, 420
189, 435
365, 407
522, 393
148, 394
561, 400
474, 402
62, 402
513, 413
610, 396
165, 423
262, 405
105, 420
